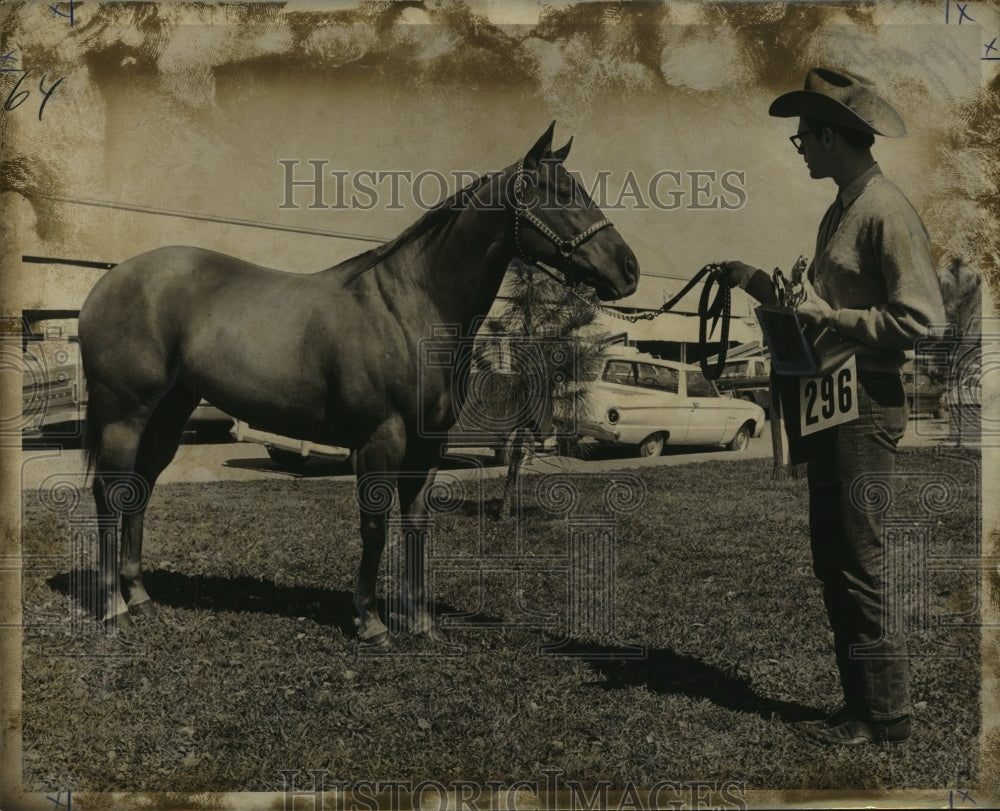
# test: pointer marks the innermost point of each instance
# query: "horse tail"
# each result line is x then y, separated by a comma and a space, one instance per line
92, 438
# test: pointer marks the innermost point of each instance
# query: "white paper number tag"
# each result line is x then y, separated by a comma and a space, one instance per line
828, 400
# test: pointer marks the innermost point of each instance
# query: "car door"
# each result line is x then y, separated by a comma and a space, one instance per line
708, 412
666, 411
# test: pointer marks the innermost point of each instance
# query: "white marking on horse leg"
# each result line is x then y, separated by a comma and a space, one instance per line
371, 629
116, 613
139, 602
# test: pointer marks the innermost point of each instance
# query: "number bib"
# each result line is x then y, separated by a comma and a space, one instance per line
828, 400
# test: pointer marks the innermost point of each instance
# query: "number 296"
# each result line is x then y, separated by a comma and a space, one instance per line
830, 396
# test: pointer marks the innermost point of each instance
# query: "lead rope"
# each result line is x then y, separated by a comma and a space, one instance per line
720, 308
716, 310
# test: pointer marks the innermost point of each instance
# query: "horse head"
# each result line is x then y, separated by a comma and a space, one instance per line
557, 224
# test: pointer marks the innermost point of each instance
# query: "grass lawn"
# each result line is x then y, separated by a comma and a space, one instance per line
250, 665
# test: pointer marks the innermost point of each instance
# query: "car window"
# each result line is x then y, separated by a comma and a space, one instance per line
698, 385
619, 371
663, 378
735, 370
759, 368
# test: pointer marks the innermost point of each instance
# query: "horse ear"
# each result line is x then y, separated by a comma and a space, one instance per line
541, 147
560, 154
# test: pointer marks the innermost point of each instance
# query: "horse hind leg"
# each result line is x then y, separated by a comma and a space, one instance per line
115, 486
157, 447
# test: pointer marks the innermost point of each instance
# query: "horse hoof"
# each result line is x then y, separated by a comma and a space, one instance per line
430, 634
118, 621
143, 609
380, 640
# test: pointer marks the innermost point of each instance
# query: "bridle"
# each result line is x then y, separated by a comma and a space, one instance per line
566, 247
709, 309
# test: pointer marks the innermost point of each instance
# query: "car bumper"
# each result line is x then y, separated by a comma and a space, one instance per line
242, 432
597, 431
206, 412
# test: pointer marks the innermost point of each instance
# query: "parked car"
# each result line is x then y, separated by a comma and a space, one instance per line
54, 388
923, 393
490, 420
749, 379
54, 394
286, 452
638, 400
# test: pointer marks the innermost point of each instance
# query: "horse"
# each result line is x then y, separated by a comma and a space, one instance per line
332, 357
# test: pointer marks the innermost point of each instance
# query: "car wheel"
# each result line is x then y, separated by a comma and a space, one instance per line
289, 460
652, 445
741, 440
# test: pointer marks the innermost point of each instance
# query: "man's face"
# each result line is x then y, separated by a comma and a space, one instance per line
812, 150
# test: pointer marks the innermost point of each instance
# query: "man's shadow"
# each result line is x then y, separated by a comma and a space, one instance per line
667, 672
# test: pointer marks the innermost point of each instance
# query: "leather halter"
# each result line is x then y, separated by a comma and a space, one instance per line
566, 247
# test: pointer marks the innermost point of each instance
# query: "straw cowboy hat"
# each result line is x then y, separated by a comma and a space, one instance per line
840, 98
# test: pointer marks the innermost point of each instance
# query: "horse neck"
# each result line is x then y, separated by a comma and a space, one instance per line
461, 266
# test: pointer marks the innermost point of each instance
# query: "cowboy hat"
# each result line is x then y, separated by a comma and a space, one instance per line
841, 98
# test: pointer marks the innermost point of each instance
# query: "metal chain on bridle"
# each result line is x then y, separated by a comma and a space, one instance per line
566, 247
709, 309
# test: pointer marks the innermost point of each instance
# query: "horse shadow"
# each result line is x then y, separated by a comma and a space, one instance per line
240, 593
667, 672
235, 594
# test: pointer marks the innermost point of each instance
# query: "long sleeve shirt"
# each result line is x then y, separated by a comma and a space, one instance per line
873, 267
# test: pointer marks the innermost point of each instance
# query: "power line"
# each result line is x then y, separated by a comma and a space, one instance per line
166, 212
80, 201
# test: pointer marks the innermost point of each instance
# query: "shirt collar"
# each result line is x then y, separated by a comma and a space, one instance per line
852, 190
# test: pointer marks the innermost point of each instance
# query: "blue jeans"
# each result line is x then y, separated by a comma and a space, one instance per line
848, 549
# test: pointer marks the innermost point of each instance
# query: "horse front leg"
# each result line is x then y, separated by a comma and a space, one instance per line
416, 528
376, 465
373, 528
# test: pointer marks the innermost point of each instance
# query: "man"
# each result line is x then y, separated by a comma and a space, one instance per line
871, 289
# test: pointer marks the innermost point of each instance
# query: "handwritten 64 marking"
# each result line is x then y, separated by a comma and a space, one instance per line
17, 96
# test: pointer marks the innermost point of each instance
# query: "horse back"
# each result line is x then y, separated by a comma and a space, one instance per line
315, 356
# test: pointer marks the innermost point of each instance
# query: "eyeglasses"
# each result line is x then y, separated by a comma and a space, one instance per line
797, 138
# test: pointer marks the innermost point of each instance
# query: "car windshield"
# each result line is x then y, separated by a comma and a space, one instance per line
736, 369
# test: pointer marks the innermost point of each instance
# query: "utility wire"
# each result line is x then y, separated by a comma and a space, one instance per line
80, 201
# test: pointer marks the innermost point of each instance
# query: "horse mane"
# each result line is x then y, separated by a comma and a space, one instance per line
436, 222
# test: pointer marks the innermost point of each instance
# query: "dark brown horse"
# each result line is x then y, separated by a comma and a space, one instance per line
331, 357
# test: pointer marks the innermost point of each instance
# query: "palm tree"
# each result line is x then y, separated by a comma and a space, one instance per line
541, 324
